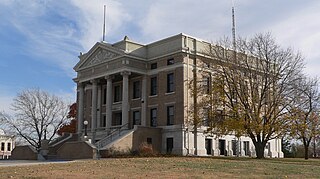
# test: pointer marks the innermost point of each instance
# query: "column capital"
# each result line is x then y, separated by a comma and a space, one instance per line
109, 77
125, 73
94, 81
80, 85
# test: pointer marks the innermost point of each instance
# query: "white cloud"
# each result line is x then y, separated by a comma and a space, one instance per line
56, 31
91, 22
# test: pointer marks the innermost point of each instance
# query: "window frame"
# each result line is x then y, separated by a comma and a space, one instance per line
153, 119
9, 146
170, 116
153, 86
134, 117
136, 89
2, 146
170, 61
117, 97
170, 82
154, 66
104, 101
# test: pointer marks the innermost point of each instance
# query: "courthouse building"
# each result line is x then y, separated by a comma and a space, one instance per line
130, 93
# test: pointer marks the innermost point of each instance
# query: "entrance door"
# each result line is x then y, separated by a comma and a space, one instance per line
208, 146
169, 145
222, 146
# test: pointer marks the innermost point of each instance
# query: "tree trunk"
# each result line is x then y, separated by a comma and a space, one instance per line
259, 150
306, 143
306, 152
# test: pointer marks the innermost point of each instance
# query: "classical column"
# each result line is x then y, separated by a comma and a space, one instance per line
80, 106
144, 101
125, 97
109, 102
98, 107
94, 108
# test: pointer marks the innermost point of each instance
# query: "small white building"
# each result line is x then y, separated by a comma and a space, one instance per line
7, 143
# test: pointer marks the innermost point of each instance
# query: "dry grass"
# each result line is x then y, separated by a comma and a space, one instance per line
172, 167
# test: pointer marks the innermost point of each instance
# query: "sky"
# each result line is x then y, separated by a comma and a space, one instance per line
40, 40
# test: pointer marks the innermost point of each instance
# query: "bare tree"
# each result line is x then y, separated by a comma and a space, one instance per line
304, 112
255, 83
38, 116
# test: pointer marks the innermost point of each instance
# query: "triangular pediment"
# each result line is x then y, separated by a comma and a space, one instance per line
97, 55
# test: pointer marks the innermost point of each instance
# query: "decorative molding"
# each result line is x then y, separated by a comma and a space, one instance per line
125, 73
109, 77
101, 56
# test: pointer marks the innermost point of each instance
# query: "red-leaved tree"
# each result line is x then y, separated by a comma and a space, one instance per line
72, 126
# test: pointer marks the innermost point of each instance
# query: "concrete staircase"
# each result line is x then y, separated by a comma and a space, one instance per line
112, 137
57, 143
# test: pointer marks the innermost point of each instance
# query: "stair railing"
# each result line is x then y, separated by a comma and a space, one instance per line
113, 134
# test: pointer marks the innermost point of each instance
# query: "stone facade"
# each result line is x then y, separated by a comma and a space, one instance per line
144, 89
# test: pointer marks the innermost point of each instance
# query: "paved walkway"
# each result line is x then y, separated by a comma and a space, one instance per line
8, 163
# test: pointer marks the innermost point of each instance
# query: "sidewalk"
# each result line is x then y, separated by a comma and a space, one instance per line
8, 163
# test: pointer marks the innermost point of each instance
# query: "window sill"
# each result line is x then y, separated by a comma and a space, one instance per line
169, 93
153, 96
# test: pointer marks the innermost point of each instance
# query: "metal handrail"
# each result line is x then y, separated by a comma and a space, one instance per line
60, 139
109, 138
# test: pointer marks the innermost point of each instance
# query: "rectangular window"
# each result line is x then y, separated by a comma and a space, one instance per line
103, 121
149, 141
153, 90
104, 95
170, 83
117, 119
117, 94
153, 66
136, 118
170, 115
170, 61
246, 147
136, 89
2, 146
9, 147
153, 117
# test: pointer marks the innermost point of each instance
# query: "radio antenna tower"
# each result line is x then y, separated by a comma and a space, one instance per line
104, 22
233, 28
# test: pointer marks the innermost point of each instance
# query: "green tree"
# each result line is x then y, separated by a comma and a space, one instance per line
304, 112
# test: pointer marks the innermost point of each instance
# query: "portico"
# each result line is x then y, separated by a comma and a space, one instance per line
109, 101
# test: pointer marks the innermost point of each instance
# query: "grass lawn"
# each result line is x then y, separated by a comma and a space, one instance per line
172, 167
